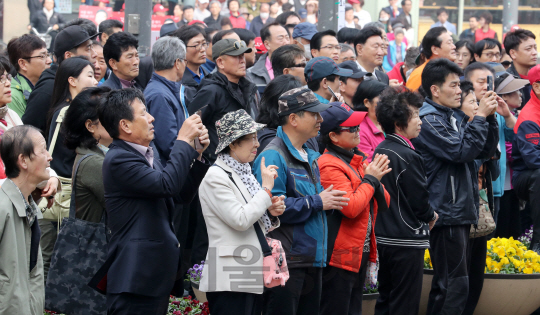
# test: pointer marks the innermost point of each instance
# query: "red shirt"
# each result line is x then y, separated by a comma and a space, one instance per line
479, 35
237, 21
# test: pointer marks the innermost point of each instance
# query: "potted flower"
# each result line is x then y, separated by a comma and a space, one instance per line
187, 306
526, 237
194, 276
369, 299
511, 280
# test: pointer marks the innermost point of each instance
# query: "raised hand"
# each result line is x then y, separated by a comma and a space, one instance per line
378, 167
333, 199
268, 174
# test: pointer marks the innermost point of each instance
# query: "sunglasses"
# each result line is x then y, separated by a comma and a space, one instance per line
350, 129
236, 46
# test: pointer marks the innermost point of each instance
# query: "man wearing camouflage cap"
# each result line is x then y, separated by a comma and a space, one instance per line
303, 232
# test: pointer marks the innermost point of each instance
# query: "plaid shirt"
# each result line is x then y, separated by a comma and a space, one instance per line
30, 206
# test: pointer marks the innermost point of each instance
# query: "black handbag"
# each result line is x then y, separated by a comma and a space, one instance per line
80, 250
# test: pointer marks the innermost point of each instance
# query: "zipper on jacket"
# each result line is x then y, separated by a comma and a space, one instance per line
320, 212
453, 190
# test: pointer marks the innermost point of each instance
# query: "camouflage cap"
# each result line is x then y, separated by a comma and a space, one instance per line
234, 125
299, 99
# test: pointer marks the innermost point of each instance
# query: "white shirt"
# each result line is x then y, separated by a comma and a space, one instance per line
363, 17
201, 15
373, 76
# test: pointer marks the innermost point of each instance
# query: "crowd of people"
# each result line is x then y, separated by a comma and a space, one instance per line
346, 155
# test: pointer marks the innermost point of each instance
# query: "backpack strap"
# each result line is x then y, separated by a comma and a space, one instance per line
267, 251
183, 100
59, 121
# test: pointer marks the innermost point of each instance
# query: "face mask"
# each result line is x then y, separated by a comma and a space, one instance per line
383, 19
307, 51
265, 15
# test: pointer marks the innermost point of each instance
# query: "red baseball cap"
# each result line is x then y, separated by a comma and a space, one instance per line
160, 8
259, 46
354, 1
196, 21
534, 74
340, 115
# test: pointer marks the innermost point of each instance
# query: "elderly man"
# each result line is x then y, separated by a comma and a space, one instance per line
273, 36
122, 58
24, 153
214, 20
144, 252
28, 54
369, 46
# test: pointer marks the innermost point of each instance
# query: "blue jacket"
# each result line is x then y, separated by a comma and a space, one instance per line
303, 232
114, 83
163, 102
449, 155
505, 134
143, 255
390, 60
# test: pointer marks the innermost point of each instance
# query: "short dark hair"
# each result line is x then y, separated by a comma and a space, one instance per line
246, 35
282, 18
229, 3
347, 35
325, 138
314, 85
117, 106
316, 40
22, 48
117, 44
467, 44
268, 108
86, 24
487, 16
441, 10
403, 2
393, 108
284, 57
107, 26
432, 39
515, 38
473, 17
486, 43
466, 87
14, 142
188, 7
476, 66
283, 120
265, 31
4, 65
225, 21
187, 32
83, 107
436, 72
366, 33
219, 35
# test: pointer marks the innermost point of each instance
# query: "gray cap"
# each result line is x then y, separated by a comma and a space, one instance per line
229, 46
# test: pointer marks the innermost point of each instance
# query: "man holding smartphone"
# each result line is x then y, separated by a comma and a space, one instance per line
322, 77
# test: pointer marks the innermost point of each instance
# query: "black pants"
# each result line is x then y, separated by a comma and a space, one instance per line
134, 304
234, 303
527, 187
301, 295
200, 239
476, 259
450, 285
400, 277
342, 290
508, 221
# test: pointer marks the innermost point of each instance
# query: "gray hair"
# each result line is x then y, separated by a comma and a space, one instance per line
377, 24
214, 2
346, 47
410, 57
166, 51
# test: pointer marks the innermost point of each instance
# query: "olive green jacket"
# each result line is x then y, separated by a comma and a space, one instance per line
20, 91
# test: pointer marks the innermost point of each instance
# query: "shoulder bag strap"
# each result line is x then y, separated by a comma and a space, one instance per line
59, 120
73, 187
267, 251
183, 100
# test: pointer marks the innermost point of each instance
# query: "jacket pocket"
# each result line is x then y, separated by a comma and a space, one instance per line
302, 183
233, 251
453, 187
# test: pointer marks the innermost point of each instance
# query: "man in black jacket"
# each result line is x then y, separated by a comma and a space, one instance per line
70, 42
225, 91
370, 53
449, 145
402, 231
121, 56
520, 45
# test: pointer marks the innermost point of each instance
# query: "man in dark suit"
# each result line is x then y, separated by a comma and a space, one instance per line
144, 253
369, 47
121, 56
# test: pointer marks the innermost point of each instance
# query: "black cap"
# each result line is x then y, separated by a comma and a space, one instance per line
69, 38
167, 28
370, 89
357, 73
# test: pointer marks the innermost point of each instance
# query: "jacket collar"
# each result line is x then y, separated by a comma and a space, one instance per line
259, 68
354, 157
397, 138
312, 155
93, 150
15, 196
237, 180
171, 85
122, 144
430, 107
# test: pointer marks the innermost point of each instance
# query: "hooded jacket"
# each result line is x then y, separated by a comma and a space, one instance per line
449, 146
39, 101
303, 231
405, 225
347, 229
218, 96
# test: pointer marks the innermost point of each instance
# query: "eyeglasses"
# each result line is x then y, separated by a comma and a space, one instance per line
42, 56
298, 65
236, 46
350, 129
5, 78
491, 55
332, 47
199, 46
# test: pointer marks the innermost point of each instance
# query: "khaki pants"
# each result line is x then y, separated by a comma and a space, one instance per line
47, 241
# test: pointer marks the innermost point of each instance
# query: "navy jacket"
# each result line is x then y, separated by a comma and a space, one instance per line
114, 83
449, 153
143, 256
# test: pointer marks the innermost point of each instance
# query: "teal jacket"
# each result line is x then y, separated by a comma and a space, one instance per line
505, 134
20, 91
303, 231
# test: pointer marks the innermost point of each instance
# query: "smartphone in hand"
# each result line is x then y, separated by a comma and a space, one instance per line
198, 145
490, 83
333, 94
